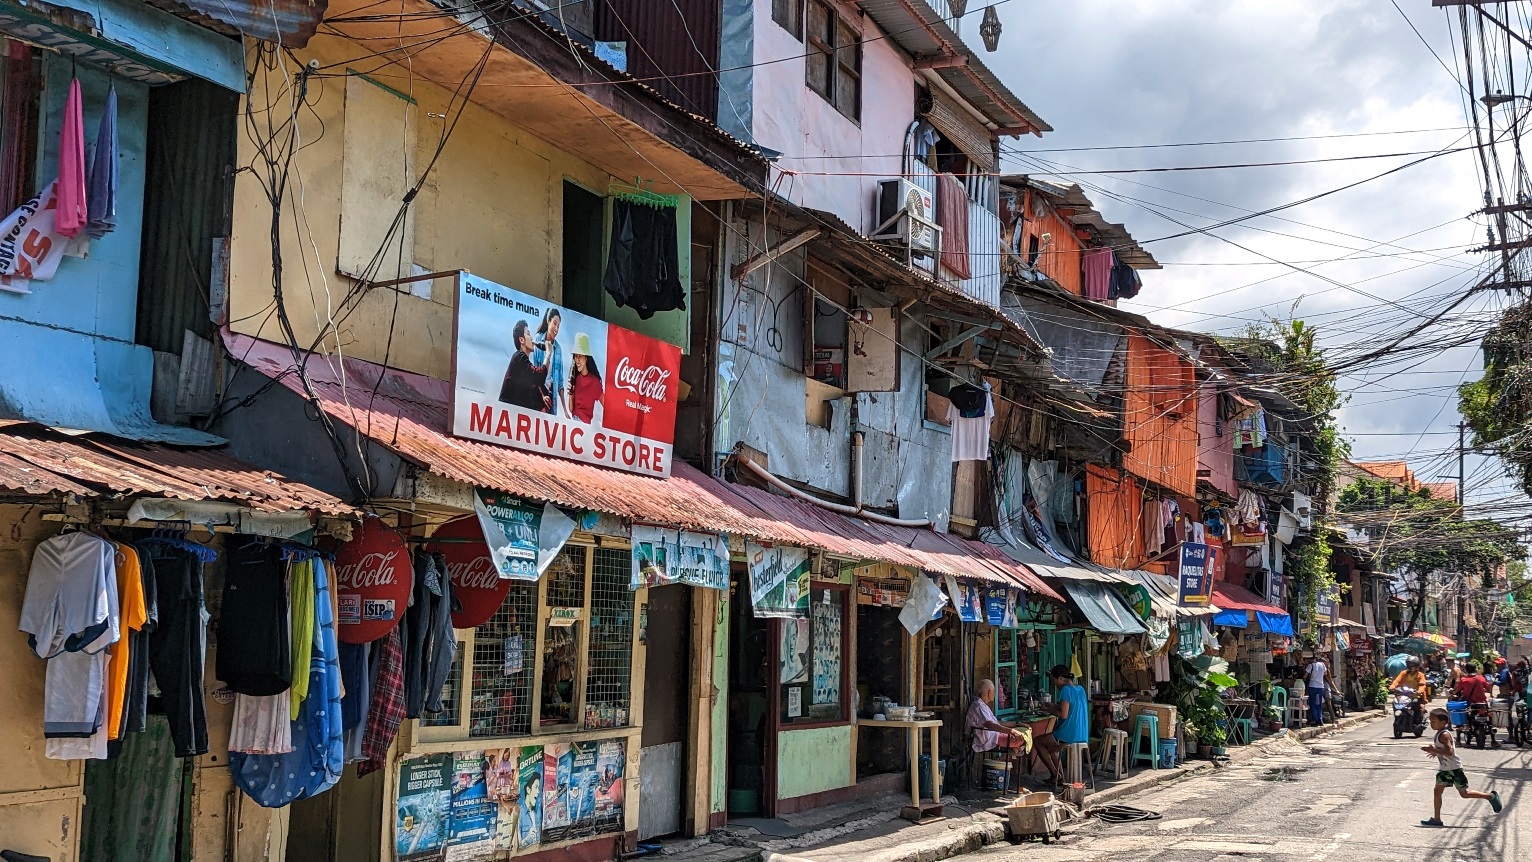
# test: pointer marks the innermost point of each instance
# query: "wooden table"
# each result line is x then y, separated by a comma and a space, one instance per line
918, 809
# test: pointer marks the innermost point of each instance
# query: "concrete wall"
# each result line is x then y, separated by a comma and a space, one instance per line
814, 760
492, 206
829, 162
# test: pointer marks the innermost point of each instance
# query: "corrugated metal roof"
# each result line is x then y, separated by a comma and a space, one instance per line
288, 22
1072, 197
409, 413
1232, 597
38, 460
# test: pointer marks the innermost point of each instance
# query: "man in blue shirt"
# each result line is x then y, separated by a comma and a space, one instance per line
1073, 706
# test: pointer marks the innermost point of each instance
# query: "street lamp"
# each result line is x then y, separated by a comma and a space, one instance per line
1498, 98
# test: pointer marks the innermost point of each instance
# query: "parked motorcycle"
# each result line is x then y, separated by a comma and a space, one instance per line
1521, 728
1409, 712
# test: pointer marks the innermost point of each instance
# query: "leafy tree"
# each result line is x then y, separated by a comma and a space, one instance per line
1419, 535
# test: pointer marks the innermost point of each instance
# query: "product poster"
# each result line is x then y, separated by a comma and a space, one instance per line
827, 656
529, 795
967, 599
582, 789
515, 656
472, 833
610, 760
511, 531
794, 669
531, 375
665, 556
500, 789
779, 580
424, 812
558, 768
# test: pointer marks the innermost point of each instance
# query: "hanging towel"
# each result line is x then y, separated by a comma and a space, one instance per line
952, 210
1097, 266
72, 213
301, 573
101, 188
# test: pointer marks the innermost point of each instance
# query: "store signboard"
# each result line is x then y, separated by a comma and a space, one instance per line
1327, 607
523, 538
1196, 582
372, 583
662, 555
532, 375
779, 580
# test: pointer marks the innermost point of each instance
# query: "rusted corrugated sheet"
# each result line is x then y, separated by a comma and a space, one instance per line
409, 414
672, 46
38, 460
288, 22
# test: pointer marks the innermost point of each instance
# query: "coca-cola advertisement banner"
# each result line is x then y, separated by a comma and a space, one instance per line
533, 375
373, 576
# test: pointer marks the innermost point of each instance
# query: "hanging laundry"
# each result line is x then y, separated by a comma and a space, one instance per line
254, 651
356, 697
971, 411
262, 725
1125, 282
952, 214
72, 208
136, 715
386, 711
430, 643
71, 615
1250, 427
101, 185
132, 615
301, 577
1097, 265
1248, 509
315, 763
643, 267
178, 647
1154, 527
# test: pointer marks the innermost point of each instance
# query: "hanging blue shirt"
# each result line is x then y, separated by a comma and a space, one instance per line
318, 756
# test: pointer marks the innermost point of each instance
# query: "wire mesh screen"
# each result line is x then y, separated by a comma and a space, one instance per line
503, 651
566, 578
451, 714
609, 678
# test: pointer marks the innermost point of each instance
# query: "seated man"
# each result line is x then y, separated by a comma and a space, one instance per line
991, 734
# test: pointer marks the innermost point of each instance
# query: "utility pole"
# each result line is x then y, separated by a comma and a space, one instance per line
1462, 476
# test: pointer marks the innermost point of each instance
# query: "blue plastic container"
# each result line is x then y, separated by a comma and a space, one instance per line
1167, 754
1458, 709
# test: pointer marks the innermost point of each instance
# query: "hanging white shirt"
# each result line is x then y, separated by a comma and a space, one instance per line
970, 437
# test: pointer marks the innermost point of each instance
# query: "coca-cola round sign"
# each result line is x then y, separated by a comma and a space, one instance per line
476, 583
373, 577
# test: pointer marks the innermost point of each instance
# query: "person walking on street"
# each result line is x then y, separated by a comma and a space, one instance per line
1449, 768
1319, 685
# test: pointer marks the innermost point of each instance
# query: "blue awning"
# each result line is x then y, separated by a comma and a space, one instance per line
1231, 619
1103, 608
1275, 624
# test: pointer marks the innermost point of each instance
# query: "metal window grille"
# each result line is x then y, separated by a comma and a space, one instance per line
566, 578
450, 715
609, 675
504, 662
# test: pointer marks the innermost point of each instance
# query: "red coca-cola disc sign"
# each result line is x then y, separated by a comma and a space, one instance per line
476, 583
372, 583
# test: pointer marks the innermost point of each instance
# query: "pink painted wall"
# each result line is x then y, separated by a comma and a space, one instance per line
1214, 453
798, 122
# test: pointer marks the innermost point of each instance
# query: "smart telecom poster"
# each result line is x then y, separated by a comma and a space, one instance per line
425, 807
532, 375
472, 834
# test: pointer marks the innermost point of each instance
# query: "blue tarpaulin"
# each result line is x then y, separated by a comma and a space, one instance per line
1275, 624
1231, 619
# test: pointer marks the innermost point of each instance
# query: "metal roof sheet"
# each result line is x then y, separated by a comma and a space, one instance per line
38, 460
290, 23
1232, 597
409, 414
1084, 214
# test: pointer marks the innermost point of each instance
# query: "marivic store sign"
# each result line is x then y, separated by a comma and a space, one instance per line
532, 375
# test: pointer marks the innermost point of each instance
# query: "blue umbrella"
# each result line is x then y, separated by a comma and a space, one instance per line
1396, 663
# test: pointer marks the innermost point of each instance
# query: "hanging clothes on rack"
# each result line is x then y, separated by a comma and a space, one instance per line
133, 614
430, 643
254, 650
178, 646
356, 696
301, 576
72, 212
970, 412
386, 711
643, 266
136, 718
314, 765
101, 185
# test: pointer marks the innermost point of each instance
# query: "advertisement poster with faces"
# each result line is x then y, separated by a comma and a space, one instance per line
779, 580
532, 375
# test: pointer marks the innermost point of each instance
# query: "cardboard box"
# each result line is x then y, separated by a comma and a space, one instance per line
1165, 713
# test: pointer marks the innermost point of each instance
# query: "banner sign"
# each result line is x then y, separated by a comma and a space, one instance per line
779, 580
531, 375
373, 578
967, 599
665, 556
1196, 584
472, 834
1000, 606
523, 538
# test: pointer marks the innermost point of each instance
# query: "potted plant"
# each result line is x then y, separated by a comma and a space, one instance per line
1195, 689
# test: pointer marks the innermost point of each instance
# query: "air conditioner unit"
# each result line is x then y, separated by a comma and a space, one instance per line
907, 215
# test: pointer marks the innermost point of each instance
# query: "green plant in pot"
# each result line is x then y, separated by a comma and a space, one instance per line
1195, 688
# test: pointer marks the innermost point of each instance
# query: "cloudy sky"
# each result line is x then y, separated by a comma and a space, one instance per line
1127, 73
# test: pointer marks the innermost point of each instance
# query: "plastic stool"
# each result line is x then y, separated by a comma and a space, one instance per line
1146, 740
1243, 731
1113, 753
1076, 761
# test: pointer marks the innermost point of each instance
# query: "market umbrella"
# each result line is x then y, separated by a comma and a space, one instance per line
1416, 646
1441, 641
1396, 663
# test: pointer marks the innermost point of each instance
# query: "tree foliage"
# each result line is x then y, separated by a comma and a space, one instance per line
1498, 405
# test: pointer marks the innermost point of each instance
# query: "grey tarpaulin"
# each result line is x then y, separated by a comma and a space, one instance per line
1103, 608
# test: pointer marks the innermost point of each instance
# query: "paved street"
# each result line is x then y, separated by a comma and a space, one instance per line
1357, 797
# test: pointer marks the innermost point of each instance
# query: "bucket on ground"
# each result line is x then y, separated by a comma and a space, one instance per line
941, 769
1168, 754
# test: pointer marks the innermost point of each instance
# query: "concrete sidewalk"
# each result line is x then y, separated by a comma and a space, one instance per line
871, 831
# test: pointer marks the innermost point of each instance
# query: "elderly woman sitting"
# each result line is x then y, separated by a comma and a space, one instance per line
992, 734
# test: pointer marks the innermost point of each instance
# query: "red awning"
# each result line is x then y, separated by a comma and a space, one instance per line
1231, 597
409, 414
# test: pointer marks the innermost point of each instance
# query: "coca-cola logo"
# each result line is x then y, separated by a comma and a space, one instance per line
650, 382
475, 573
376, 569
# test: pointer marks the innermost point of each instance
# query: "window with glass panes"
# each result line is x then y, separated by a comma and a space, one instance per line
834, 59
811, 668
556, 655
789, 16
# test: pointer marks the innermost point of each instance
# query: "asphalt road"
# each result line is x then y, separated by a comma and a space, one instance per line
1352, 797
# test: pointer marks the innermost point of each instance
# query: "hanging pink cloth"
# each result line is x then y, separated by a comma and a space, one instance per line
71, 217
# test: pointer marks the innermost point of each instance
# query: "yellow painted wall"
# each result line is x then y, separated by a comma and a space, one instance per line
491, 205
814, 760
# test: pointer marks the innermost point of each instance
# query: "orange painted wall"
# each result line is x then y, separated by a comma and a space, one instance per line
1114, 518
1160, 417
1062, 261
